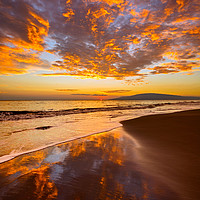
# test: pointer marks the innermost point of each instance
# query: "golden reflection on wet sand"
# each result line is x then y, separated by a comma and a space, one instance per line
100, 166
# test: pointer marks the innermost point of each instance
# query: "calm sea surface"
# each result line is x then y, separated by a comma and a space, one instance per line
69, 104
22, 136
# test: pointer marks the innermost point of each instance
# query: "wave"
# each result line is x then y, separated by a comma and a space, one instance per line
30, 129
21, 115
11, 156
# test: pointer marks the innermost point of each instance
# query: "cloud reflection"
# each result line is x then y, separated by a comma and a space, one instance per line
99, 166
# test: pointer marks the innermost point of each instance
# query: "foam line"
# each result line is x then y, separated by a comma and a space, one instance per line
6, 158
21, 115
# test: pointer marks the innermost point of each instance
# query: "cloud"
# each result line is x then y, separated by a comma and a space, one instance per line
100, 38
117, 91
101, 95
22, 35
94, 95
66, 90
175, 67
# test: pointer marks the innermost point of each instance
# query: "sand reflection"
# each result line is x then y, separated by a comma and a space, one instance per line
102, 166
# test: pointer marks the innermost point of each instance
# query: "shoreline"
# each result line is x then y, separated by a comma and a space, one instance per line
24, 115
129, 162
102, 166
9, 157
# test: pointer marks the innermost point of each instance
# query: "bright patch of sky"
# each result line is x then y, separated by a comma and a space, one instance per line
50, 57
51, 43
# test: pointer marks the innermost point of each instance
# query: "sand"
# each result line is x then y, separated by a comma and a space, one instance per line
156, 158
171, 149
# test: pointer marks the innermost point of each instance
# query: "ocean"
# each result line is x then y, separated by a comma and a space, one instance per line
27, 126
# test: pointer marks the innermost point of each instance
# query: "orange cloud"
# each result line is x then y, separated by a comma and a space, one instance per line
69, 13
10, 59
17, 52
167, 68
117, 91
66, 90
185, 18
100, 38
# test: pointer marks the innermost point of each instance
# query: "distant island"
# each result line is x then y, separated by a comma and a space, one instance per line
157, 96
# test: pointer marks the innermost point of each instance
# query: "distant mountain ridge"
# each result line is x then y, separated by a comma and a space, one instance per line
157, 96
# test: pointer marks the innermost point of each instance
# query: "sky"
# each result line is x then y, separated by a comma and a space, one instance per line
98, 49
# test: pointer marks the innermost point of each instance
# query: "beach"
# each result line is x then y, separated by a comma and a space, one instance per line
150, 157
171, 149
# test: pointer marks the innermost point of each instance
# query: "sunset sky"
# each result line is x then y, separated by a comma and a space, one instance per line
98, 49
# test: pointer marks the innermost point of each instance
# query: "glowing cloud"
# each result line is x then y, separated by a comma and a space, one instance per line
100, 38
116, 91
22, 35
66, 90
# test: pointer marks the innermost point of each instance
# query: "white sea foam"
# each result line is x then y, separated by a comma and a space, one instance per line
14, 155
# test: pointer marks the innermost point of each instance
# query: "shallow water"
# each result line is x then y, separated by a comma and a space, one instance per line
18, 137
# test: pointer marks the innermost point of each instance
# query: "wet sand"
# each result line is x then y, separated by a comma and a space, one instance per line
112, 165
170, 149
102, 166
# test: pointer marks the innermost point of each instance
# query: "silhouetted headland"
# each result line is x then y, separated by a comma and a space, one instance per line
156, 96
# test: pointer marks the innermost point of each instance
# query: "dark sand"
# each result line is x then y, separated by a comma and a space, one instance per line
112, 165
170, 149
